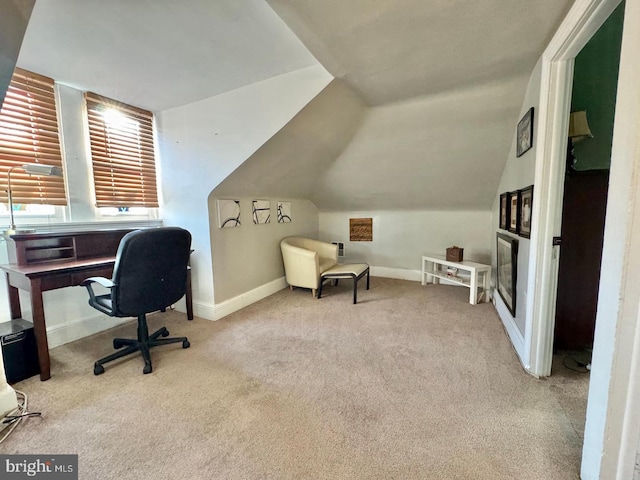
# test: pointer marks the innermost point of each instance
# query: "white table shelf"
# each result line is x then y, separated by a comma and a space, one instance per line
434, 269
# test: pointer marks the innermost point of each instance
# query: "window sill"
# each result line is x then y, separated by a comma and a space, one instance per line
89, 226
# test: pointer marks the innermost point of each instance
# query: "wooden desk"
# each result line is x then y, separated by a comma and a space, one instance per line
42, 262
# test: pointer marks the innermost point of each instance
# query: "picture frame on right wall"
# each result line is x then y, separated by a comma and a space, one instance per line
526, 203
507, 270
514, 212
504, 211
524, 133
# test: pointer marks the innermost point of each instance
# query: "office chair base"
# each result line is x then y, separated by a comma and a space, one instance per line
143, 345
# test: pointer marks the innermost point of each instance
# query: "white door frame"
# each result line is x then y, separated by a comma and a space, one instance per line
613, 412
583, 20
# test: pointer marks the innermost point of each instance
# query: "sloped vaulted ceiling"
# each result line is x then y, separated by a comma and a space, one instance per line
159, 54
399, 49
444, 83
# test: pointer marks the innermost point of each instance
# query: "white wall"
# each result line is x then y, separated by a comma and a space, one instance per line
77, 159
400, 238
518, 173
248, 257
202, 143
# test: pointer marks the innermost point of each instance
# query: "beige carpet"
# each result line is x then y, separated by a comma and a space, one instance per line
410, 383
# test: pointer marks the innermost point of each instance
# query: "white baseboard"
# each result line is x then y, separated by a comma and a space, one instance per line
204, 310
70, 331
398, 273
517, 339
245, 299
200, 309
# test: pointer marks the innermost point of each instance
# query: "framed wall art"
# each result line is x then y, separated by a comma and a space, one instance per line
514, 211
507, 269
228, 213
526, 201
524, 134
261, 211
284, 212
504, 211
361, 229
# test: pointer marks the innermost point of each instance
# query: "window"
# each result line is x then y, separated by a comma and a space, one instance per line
122, 153
29, 134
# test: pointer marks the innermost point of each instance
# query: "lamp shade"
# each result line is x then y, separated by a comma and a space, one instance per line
32, 169
40, 169
579, 127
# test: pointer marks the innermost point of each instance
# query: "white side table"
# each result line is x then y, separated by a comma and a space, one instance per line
434, 267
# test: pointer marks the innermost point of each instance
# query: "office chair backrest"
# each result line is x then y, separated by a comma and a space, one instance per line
150, 272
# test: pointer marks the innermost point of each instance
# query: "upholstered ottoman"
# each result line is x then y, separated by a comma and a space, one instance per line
349, 270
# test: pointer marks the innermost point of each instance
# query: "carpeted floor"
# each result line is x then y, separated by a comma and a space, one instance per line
410, 383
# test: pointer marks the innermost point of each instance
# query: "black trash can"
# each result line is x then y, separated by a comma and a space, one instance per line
19, 350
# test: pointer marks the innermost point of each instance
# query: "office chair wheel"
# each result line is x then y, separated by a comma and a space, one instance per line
98, 369
165, 332
186, 344
147, 368
117, 343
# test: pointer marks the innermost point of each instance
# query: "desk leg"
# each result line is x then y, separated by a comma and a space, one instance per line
473, 295
14, 301
188, 297
40, 329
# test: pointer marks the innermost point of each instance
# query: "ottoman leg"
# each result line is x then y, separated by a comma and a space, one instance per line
355, 289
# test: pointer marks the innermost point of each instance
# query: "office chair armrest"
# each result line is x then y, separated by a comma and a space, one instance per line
105, 282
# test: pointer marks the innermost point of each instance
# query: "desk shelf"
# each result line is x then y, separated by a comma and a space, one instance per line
53, 254
45, 250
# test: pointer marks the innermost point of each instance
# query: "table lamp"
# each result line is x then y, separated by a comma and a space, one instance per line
32, 169
578, 131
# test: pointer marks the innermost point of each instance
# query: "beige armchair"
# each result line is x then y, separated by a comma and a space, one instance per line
305, 260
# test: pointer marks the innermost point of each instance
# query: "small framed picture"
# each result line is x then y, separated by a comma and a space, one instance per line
504, 211
284, 212
524, 134
514, 212
228, 213
526, 201
261, 211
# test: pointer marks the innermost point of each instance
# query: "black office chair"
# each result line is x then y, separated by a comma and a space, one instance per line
150, 274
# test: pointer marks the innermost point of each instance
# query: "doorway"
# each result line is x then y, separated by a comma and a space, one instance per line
586, 182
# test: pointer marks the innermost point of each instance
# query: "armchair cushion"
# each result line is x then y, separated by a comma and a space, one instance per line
305, 259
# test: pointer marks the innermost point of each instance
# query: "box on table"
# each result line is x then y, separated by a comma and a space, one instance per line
454, 254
